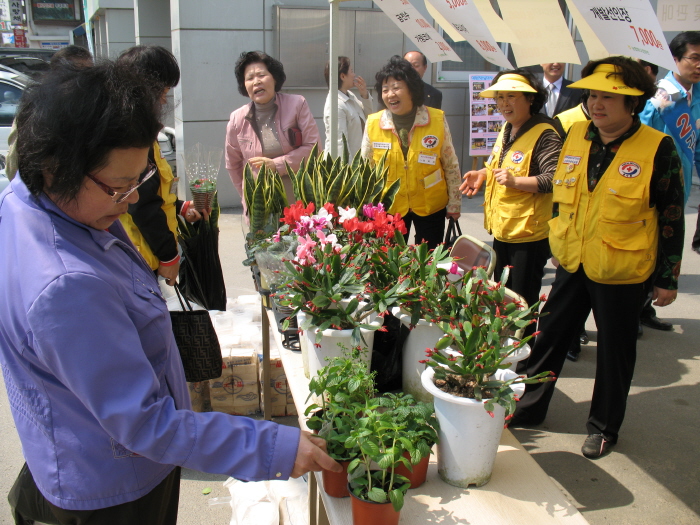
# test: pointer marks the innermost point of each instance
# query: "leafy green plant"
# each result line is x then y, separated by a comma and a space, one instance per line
420, 426
265, 199
344, 388
351, 184
378, 436
482, 318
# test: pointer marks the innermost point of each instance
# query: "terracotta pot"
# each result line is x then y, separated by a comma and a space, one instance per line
420, 471
371, 513
336, 484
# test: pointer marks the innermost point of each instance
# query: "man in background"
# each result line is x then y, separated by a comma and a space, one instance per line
560, 97
433, 96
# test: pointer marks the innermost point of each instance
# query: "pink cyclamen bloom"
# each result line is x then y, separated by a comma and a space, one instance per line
277, 237
370, 211
305, 251
454, 268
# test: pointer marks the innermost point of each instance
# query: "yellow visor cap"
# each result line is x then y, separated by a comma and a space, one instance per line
508, 82
606, 78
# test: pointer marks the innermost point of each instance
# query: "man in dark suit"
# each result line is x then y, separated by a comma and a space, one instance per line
561, 97
433, 96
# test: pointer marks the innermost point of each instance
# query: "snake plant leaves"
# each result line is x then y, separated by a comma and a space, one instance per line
390, 194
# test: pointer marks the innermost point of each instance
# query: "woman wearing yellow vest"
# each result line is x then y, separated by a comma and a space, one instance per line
518, 175
151, 223
619, 189
419, 150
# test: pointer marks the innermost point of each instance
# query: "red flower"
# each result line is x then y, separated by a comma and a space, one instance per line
330, 208
294, 212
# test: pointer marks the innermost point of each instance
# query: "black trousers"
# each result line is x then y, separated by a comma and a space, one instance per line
429, 228
527, 260
616, 311
158, 507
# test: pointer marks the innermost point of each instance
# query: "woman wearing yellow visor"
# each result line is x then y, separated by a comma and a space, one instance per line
619, 229
518, 175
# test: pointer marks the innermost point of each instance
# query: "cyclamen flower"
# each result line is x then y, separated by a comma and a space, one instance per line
370, 210
305, 251
294, 212
331, 239
345, 214
454, 268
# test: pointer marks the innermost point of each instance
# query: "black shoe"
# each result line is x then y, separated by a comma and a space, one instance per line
583, 338
573, 356
657, 324
596, 446
640, 331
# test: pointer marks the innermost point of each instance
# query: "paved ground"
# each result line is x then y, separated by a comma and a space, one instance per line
653, 476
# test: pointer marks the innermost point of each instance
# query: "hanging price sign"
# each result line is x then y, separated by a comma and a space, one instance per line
418, 29
462, 17
627, 27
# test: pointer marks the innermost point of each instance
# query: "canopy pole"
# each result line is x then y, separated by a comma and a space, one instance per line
333, 76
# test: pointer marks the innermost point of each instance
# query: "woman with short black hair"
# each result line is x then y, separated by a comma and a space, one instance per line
518, 175
274, 129
89, 360
418, 146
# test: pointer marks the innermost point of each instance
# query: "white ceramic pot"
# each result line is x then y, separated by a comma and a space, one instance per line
424, 335
469, 436
332, 343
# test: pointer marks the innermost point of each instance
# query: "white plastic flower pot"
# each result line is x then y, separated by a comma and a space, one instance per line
335, 342
424, 335
469, 436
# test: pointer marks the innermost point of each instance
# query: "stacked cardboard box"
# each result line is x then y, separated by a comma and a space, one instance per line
278, 386
236, 391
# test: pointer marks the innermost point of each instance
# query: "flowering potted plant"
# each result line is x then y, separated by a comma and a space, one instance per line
330, 280
470, 381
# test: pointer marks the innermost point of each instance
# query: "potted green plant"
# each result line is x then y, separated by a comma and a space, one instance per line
420, 427
378, 493
342, 389
469, 379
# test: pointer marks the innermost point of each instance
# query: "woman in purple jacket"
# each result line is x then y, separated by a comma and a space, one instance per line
93, 375
273, 129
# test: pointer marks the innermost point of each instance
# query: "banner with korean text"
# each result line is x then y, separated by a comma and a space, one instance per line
419, 30
678, 15
463, 17
627, 27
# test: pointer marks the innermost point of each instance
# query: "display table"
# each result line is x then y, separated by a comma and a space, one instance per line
519, 492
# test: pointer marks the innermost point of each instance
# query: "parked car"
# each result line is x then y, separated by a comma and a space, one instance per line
166, 141
12, 85
31, 66
4, 181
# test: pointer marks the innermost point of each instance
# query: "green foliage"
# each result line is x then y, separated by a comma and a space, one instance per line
321, 179
265, 199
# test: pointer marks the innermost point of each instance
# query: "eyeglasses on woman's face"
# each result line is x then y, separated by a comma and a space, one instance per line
119, 196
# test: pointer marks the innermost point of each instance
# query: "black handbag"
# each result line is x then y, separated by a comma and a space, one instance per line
197, 342
454, 232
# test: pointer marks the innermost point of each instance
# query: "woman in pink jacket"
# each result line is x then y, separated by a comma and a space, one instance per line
273, 128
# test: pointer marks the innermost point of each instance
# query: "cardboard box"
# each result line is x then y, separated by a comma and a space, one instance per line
278, 384
237, 390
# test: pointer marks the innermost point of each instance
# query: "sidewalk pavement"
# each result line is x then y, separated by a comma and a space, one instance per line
651, 477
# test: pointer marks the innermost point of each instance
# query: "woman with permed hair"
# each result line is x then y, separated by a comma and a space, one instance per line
518, 175
418, 146
619, 232
273, 128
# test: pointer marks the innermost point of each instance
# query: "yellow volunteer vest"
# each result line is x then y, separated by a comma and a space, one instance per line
612, 231
168, 207
568, 117
512, 215
423, 187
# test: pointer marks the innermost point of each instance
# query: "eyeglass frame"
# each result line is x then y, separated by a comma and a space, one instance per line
695, 60
118, 196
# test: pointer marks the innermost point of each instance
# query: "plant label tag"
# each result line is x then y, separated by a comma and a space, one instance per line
427, 159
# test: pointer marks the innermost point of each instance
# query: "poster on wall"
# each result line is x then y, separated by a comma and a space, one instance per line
5, 15
53, 11
485, 121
